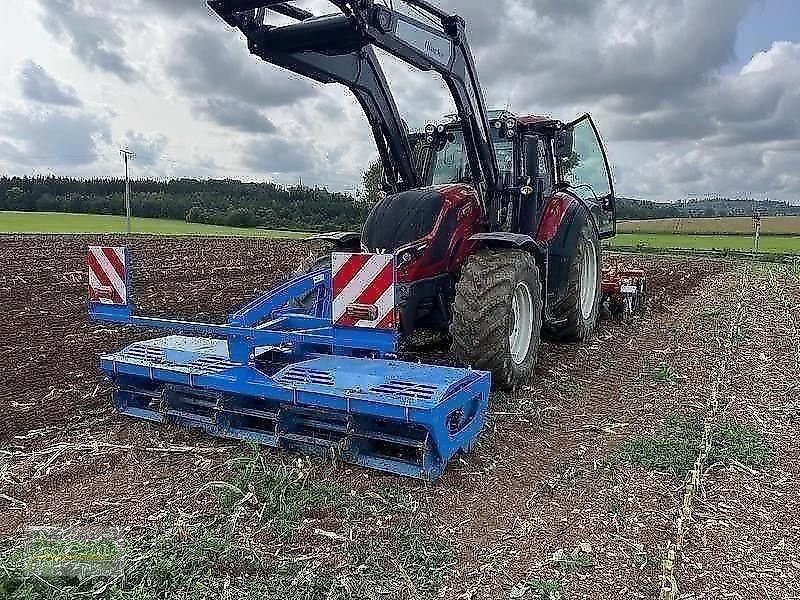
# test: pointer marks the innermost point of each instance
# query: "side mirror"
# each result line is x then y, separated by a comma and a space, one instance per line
563, 143
532, 158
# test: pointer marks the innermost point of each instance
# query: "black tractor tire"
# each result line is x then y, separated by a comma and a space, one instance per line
569, 322
483, 315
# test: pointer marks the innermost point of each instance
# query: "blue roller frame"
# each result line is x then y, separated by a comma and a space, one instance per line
332, 388
284, 326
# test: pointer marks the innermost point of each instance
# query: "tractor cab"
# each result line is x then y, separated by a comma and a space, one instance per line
446, 153
536, 156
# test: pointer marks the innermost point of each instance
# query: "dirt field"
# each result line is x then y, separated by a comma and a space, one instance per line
557, 501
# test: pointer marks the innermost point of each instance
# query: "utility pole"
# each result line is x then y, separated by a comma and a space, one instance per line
756, 227
127, 155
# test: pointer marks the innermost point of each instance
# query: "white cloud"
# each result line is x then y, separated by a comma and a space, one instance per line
658, 76
38, 85
148, 147
231, 113
92, 35
45, 138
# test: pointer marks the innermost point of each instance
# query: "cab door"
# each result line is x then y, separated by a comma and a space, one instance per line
541, 180
585, 168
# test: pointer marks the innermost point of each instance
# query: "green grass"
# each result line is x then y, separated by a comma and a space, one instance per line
675, 448
784, 244
279, 530
183, 560
188, 559
664, 373
576, 561
282, 492
43, 222
536, 588
713, 226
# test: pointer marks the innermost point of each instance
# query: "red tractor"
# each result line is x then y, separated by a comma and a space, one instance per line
495, 219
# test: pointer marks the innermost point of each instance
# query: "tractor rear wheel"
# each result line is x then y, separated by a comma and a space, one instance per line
575, 317
497, 315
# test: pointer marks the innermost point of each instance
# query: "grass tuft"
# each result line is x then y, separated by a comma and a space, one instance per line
538, 589
674, 449
665, 373
409, 561
576, 561
741, 443
279, 493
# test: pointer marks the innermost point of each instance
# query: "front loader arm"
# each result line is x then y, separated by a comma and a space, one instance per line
446, 52
338, 48
357, 69
363, 75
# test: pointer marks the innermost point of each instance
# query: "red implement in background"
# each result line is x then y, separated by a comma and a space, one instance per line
623, 290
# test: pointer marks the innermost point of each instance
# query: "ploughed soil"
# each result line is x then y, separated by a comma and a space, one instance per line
544, 499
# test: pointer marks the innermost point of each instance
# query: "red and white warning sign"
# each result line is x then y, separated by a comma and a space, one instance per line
107, 275
363, 291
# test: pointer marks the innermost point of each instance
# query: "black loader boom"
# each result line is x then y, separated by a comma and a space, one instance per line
338, 48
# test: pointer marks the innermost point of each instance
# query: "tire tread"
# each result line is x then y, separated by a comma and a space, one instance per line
482, 308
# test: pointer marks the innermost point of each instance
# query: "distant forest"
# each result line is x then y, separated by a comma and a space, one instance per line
214, 201
630, 208
223, 202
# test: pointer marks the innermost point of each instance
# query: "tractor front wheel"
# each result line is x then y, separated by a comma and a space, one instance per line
497, 315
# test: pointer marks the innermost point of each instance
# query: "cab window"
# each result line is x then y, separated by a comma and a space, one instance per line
585, 168
450, 160
451, 164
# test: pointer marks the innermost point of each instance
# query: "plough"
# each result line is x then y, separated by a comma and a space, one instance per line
323, 379
623, 290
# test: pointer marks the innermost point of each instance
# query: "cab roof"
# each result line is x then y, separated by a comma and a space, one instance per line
531, 121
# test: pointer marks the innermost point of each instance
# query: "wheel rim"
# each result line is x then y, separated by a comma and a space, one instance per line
522, 328
588, 279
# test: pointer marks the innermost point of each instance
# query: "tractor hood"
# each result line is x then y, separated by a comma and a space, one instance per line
402, 218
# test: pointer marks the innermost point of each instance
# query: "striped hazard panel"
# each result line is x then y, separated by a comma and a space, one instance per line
364, 291
107, 276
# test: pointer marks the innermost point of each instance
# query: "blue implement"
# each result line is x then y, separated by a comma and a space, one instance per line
282, 374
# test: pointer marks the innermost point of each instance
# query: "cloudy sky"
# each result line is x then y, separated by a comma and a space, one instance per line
693, 96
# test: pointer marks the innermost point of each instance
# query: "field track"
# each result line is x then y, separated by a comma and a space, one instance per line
544, 502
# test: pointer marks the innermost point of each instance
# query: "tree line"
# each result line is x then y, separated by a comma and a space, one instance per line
226, 201
630, 208
212, 201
